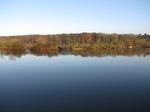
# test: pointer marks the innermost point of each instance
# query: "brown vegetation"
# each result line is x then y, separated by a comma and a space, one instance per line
75, 41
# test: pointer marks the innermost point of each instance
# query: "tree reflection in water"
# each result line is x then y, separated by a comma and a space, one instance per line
13, 54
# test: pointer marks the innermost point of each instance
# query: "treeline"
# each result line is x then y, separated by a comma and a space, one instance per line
75, 41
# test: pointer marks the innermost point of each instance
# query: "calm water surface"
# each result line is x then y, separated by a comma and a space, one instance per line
75, 81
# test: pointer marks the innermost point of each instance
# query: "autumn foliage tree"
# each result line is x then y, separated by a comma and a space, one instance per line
75, 41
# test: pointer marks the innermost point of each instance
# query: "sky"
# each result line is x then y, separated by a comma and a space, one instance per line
21, 17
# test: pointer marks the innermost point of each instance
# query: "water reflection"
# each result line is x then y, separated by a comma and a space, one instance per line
13, 54
68, 82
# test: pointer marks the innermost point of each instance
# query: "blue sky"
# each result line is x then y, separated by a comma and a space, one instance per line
20, 17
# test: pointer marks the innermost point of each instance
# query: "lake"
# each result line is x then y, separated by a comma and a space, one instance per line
75, 81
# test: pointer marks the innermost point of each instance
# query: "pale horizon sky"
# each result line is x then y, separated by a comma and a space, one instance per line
21, 17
